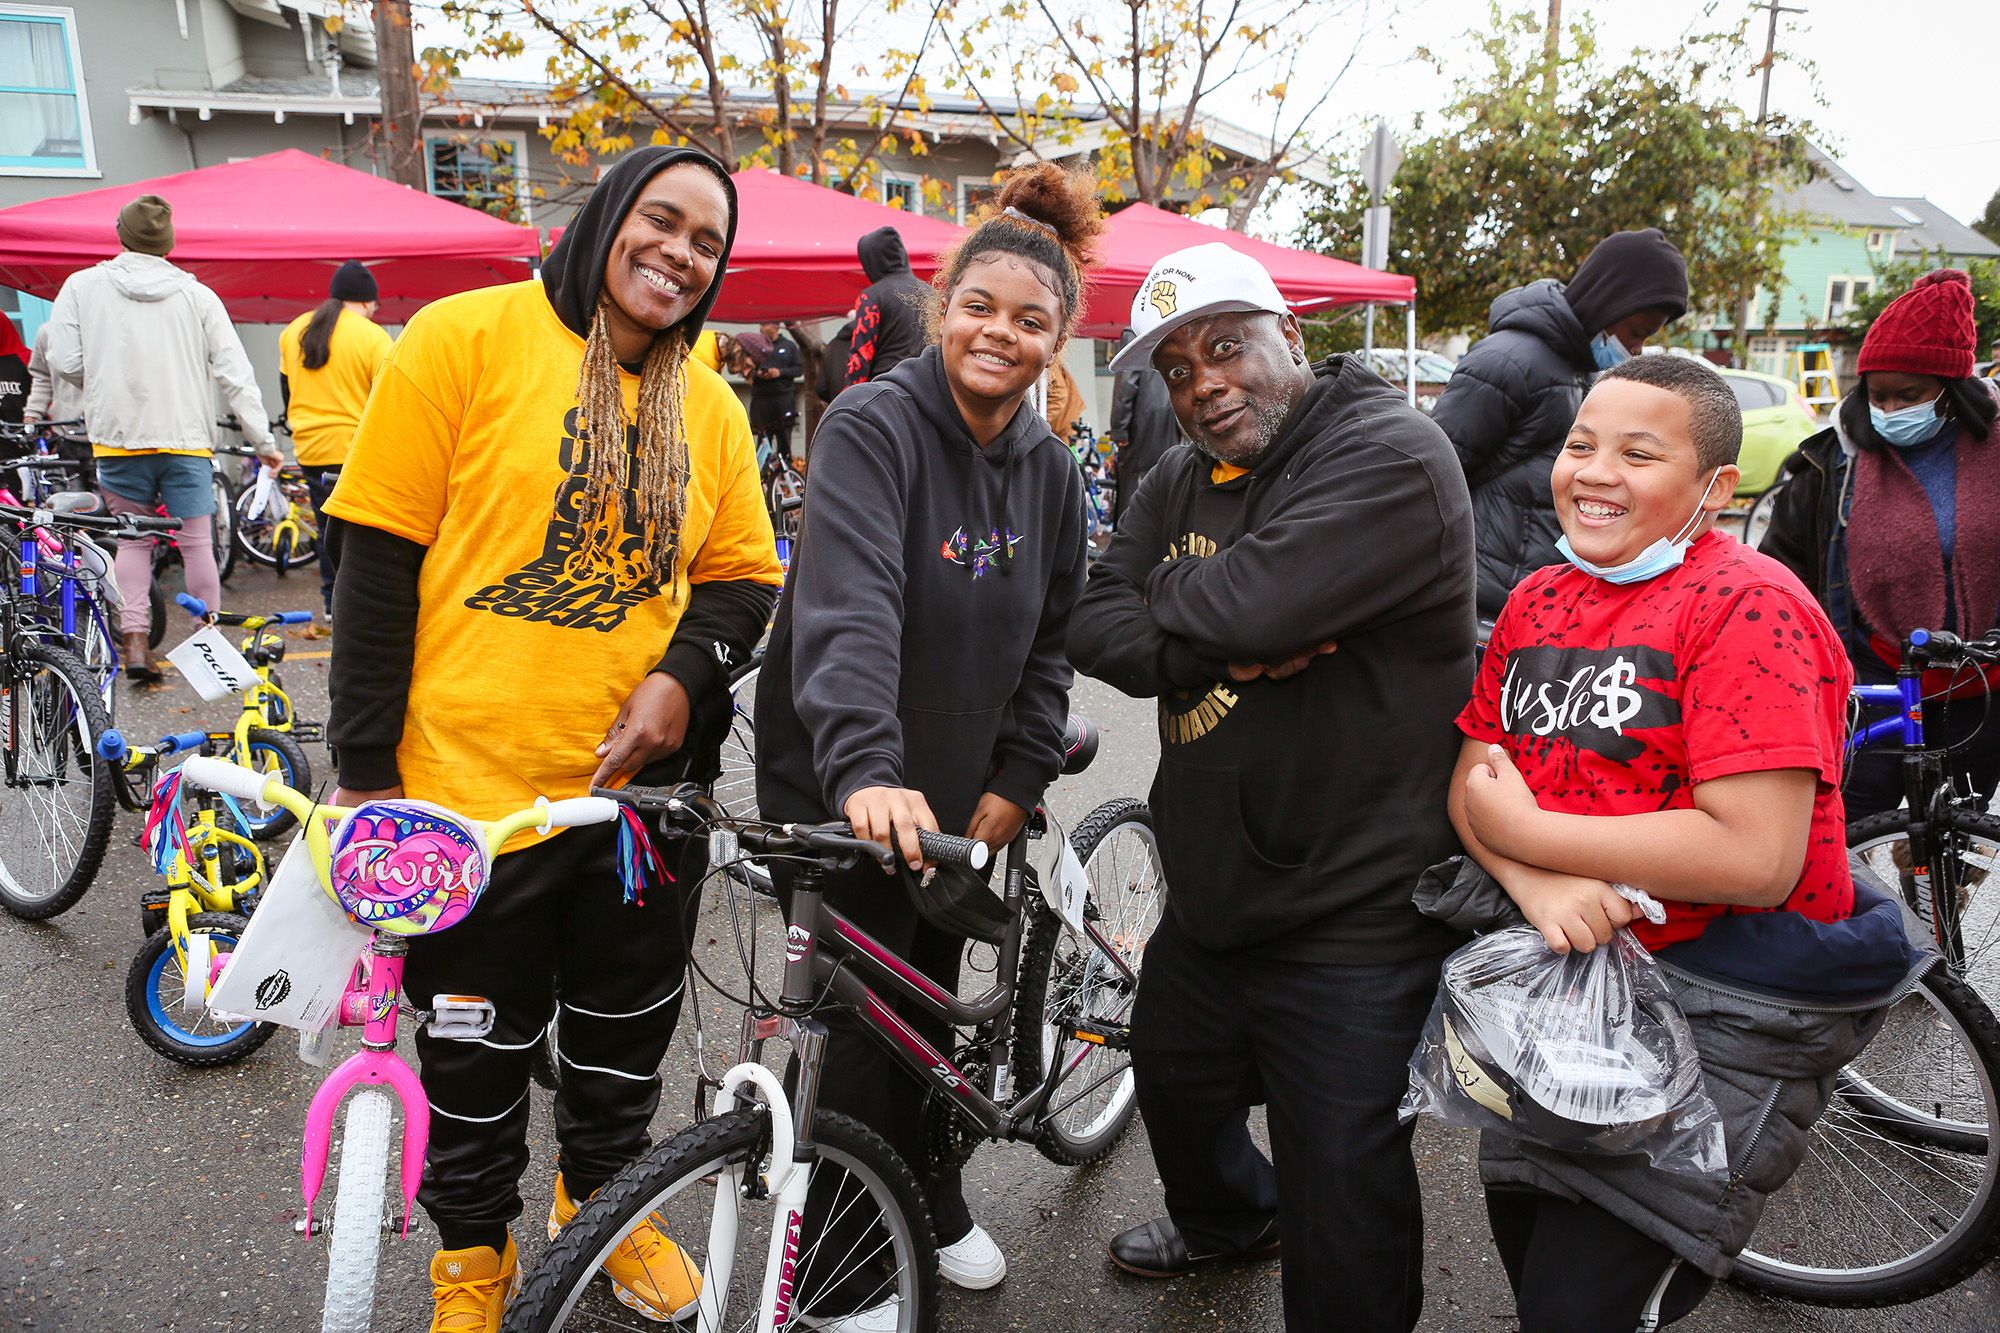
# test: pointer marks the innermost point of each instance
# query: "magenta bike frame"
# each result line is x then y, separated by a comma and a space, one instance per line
370, 1003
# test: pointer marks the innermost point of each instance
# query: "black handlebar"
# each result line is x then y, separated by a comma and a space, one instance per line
687, 808
118, 525
1937, 648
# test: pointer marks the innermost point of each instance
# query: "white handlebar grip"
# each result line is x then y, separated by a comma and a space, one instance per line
577, 810
225, 777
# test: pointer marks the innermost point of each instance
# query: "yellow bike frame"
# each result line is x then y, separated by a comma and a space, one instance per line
202, 887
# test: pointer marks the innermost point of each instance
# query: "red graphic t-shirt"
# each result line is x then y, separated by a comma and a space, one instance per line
1617, 700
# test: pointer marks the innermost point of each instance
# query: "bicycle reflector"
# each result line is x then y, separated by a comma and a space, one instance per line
408, 867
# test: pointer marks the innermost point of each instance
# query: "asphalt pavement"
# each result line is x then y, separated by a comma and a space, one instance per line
138, 1194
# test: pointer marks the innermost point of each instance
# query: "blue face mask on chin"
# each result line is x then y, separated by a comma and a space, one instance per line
1607, 351
1664, 554
1907, 427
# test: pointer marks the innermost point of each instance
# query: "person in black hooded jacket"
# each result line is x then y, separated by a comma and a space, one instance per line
1295, 587
915, 676
1512, 397
889, 316
554, 546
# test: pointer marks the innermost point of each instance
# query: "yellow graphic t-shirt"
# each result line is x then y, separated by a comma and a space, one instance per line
521, 662
326, 403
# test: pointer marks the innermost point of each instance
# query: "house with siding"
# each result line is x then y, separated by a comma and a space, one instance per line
101, 92
1833, 259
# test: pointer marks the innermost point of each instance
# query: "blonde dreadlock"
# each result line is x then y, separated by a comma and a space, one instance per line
663, 454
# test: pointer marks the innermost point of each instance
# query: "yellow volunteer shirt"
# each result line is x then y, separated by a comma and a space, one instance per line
326, 403
465, 447
1222, 472
707, 350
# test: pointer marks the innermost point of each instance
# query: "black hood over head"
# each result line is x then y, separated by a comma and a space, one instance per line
1628, 271
881, 253
573, 274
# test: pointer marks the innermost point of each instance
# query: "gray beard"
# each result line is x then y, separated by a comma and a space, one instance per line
1269, 417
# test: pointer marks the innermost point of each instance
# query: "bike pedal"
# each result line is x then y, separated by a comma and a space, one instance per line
460, 1017
153, 908
308, 731
1111, 1036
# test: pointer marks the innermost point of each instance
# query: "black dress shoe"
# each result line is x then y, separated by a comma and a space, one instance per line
1155, 1249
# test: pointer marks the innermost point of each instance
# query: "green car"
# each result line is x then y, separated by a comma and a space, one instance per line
1776, 421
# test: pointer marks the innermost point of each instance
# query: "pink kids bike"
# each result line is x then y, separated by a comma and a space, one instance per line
401, 868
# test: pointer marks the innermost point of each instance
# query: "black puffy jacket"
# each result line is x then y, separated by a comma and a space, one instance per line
1507, 409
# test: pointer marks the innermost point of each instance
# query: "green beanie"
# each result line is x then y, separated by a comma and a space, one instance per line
147, 225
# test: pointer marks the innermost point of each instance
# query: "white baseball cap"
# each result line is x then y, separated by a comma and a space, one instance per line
1191, 284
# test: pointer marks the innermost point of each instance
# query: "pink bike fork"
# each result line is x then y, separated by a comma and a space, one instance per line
372, 1007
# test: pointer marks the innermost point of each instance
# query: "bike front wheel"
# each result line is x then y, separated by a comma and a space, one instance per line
1882, 1212
693, 1187
276, 755
167, 1018
1068, 986
57, 806
1970, 869
357, 1215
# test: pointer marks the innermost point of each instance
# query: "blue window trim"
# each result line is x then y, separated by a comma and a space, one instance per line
69, 164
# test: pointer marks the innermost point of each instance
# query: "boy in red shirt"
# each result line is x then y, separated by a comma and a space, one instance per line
1667, 710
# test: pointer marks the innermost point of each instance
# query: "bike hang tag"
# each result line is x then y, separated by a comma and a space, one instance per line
296, 955
210, 663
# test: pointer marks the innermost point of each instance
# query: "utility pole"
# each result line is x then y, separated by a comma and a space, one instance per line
1742, 330
1551, 50
396, 65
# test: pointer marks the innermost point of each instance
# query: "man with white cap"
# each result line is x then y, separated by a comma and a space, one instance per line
1295, 586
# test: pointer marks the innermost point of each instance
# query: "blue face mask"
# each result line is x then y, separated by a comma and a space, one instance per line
1663, 555
1907, 427
1607, 351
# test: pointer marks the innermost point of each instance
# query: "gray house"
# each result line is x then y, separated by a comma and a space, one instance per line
104, 92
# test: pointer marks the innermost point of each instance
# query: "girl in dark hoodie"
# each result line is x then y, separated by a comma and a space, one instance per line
553, 533
915, 676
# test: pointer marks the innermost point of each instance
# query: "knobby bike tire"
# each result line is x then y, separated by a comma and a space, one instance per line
357, 1215
154, 1019
1965, 1246
273, 752
686, 1161
39, 672
223, 534
1037, 1041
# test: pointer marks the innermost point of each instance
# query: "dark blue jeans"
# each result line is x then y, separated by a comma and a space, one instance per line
319, 484
1325, 1048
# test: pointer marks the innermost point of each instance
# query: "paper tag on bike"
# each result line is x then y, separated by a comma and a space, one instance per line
210, 663
296, 955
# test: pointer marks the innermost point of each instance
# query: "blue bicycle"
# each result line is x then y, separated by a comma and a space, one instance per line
1100, 490
1899, 1196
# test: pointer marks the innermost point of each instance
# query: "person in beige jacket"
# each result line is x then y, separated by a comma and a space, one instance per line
146, 339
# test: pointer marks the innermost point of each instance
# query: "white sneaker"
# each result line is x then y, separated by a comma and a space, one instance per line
974, 1262
883, 1318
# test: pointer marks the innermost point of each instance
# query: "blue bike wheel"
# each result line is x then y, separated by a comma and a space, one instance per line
274, 754
155, 989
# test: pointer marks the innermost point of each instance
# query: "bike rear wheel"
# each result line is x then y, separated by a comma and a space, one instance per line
274, 754
58, 805
357, 1215
691, 1186
1066, 983
736, 787
1876, 1215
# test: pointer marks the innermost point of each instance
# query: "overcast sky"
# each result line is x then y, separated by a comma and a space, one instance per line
1908, 86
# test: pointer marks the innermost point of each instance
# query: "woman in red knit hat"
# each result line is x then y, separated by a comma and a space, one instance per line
1892, 518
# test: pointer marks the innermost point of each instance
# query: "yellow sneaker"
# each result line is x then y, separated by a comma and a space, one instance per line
648, 1272
472, 1288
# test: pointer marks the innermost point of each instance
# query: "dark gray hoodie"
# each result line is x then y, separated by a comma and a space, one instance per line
919, 642
889, 316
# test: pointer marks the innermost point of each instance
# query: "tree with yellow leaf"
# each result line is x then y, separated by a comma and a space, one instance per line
1138, 81
755, 82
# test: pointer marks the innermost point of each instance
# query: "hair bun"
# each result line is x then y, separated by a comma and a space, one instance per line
1063, 200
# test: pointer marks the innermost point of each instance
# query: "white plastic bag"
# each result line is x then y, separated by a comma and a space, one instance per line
1579, 1052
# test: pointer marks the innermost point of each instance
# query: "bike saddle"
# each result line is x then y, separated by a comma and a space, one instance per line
1079, 744
73, 502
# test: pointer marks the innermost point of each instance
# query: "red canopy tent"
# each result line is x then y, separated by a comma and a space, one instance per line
794, 254
266, 234
1139, 235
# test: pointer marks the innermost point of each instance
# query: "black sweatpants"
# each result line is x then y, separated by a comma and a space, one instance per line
1575, 1268
320, 482
860, 1079
552, 924
1325, 1048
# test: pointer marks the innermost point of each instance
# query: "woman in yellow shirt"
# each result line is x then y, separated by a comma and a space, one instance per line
554, 547
328, 360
